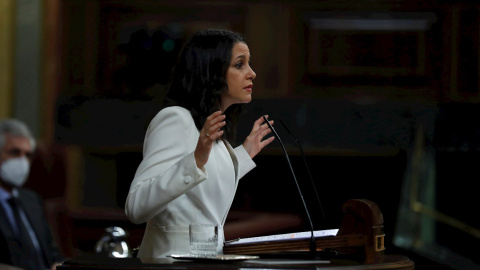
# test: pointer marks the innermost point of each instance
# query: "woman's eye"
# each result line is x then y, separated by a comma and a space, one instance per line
238, 65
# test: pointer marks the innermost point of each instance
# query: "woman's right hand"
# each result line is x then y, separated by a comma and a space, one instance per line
210, 132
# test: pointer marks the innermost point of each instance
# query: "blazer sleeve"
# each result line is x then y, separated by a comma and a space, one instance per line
168, 168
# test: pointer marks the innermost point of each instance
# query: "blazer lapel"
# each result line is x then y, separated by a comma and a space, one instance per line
33, 210
5, 226
234, 158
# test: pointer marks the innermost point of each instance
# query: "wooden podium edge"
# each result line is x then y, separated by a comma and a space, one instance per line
361, 235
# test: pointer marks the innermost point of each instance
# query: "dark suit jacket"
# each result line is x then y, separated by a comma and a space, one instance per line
33, 206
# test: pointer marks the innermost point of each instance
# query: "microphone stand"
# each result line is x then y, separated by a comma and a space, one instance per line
313, 244
306, 165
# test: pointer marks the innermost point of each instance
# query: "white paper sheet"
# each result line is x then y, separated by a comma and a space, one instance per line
276, 237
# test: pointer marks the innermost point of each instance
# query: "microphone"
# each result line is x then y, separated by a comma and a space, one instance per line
313, 244
306, 165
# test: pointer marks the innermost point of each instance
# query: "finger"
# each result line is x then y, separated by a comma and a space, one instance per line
267, 141
211, 124
259, 124
266, 132
266, 127
215, 124
214, 136
260, 121
213, 115
217, 119
214, 119
215, 132
264, 124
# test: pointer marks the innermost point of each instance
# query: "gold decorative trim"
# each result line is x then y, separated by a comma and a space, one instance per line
7, 37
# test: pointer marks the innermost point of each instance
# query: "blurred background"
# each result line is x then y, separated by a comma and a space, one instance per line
381, 96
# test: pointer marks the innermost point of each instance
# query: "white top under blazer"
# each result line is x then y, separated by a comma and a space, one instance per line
169, 192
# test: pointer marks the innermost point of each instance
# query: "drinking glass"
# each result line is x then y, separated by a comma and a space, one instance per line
203, 239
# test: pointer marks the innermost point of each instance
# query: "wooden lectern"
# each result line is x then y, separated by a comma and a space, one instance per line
360, 236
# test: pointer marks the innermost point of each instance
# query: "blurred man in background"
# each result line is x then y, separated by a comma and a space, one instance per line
25, 235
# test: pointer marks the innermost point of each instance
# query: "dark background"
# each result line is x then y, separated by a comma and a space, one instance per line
383, 95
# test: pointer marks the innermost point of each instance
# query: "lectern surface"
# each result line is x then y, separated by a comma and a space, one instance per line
96, 262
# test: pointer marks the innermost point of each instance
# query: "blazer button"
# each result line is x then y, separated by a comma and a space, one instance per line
187, 179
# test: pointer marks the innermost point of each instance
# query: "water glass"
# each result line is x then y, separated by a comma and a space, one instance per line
203, 239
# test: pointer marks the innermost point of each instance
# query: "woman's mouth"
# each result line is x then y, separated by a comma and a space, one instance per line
249, 88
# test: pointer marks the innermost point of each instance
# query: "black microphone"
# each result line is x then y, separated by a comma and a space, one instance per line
313, 244
306, 165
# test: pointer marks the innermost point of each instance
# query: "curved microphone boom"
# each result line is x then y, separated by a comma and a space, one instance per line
306, 165
313, 245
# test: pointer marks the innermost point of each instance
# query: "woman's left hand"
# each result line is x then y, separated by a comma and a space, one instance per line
254, 142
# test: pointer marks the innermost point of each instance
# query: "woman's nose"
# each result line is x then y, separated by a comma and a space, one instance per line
251, 74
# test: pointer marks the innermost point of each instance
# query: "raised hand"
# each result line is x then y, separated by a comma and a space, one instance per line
210, 132
254, 142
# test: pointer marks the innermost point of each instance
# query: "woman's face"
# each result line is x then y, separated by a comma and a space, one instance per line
239, 77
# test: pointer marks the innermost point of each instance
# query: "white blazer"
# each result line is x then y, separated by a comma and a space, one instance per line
169, 192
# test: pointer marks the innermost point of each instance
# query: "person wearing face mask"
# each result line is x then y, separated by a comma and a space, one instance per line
25, 236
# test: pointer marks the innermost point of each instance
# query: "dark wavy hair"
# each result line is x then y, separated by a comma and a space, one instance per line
199, 78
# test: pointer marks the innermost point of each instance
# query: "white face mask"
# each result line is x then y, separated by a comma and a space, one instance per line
15, 171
